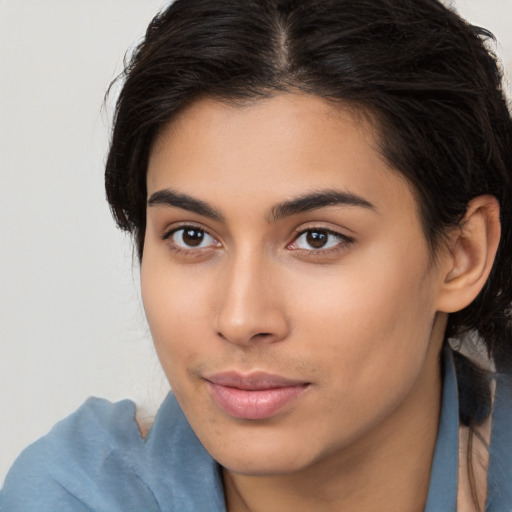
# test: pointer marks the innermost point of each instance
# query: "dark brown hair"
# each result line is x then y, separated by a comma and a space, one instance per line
426, 76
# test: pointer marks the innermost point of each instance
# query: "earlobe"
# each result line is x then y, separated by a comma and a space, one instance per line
469, 258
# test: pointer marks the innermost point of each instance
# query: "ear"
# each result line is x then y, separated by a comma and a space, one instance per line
468, 259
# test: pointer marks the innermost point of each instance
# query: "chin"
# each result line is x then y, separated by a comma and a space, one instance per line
261, 467
264, 457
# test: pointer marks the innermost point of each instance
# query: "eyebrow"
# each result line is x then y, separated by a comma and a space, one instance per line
301, 204
168, 197
316, 200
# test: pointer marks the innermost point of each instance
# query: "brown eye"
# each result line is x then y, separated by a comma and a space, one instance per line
317, 239
191, 237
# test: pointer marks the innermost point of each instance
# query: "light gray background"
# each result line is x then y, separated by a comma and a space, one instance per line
71, 322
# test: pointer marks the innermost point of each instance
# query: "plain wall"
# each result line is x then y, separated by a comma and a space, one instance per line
71, 321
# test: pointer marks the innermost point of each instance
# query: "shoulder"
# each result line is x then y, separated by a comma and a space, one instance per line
88, 461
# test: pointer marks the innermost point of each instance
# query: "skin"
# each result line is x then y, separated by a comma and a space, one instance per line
360, 321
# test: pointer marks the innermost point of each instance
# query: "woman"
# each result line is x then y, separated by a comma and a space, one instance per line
320, 195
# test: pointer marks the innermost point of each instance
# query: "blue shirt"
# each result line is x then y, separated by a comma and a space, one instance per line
96, 460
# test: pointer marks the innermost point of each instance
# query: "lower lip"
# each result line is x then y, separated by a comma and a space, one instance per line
254, 404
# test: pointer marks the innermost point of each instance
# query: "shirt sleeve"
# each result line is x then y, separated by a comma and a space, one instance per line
91, 461
30, 487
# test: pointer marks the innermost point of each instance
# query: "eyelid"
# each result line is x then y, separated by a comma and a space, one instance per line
322, 227
170, 231
345, 240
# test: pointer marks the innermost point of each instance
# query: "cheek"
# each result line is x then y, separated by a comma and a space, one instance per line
371, 320
176, 307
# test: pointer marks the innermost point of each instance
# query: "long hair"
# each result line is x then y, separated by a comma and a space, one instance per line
425, 76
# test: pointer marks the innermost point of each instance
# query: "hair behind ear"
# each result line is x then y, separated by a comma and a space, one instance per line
488, 315
475, 402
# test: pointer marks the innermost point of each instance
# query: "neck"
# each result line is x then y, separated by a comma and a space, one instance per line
387, 469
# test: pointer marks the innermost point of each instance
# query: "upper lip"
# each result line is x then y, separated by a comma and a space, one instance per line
255, 381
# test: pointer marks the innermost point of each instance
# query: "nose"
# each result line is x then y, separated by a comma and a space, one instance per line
250, 308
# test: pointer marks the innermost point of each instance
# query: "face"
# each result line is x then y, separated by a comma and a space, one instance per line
286, 281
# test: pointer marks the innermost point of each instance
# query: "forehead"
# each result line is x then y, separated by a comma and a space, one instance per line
272, 149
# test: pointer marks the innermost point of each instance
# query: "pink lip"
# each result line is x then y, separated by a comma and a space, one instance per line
255, 396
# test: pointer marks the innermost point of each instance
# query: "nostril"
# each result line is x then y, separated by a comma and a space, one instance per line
255, 337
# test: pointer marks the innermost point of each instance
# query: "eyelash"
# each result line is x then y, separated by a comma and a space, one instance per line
344, 242
167, 236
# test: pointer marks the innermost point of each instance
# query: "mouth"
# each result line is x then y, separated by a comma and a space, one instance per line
255, 396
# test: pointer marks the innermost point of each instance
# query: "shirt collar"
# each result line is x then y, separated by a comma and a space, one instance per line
442, 492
